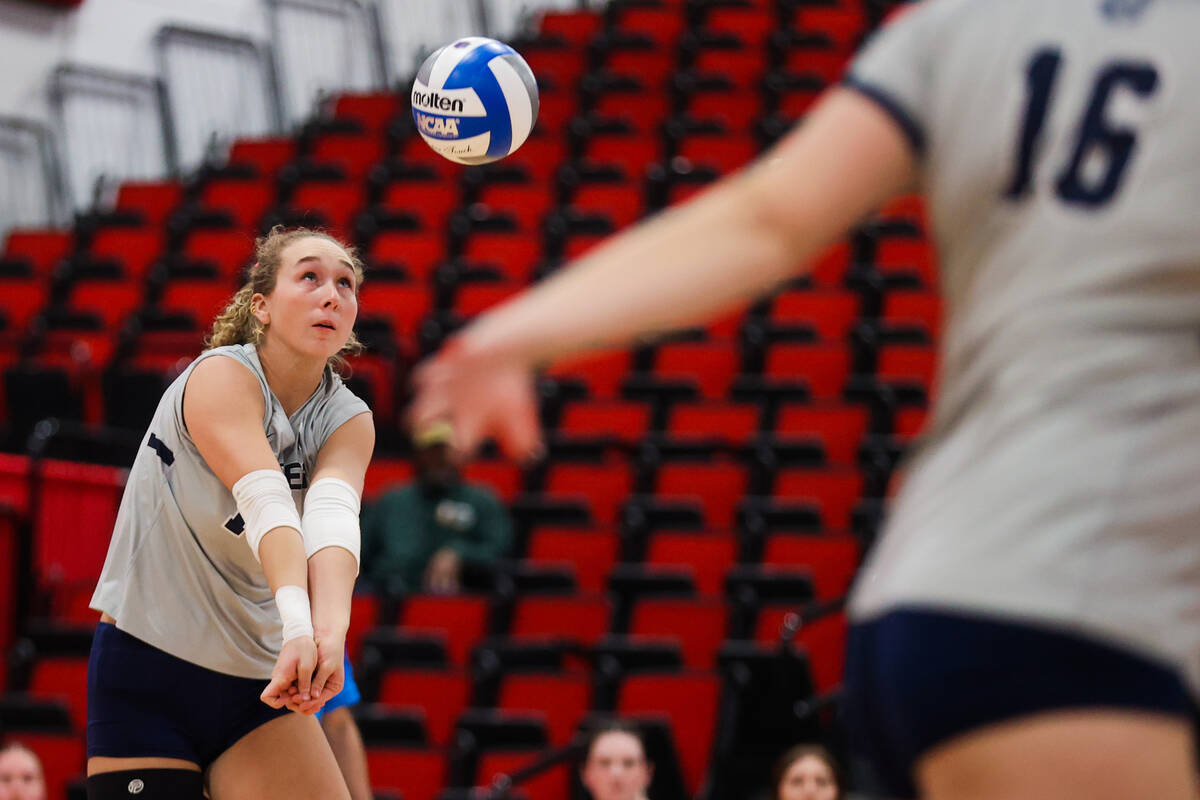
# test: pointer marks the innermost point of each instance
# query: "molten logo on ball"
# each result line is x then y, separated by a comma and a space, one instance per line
475, 100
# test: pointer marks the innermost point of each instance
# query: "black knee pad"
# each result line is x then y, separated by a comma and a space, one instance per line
146, 784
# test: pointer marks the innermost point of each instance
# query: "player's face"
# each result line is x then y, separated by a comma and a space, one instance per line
20, 777
808, 778
616, 768
313, 306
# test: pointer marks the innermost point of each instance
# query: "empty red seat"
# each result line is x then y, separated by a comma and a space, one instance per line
379, 374
230, 252
21, 299
355, 154
722, 153
591, 553
134, 249
581, 618
265, 155
735, 424
384, 474
562, 699
364, 615
712, 366
708, 555
462, 619
515, 254
418, 773
690, 701
78, 510
577, 27
843, 24
602, 373
246, 201
373, 110
829, 268
337, 202
697, 624
111, 301
909, 208
418, 253
825, 641
914, 256
473, 299
910, 421
835, 492
920, 309
441, 694
562, 65
42, 248
63, 679
624, 421
402, 305
736, 106
830, 314
654, 65
153, 200
502, 477
745, 65
716, 487
908, 363
824, 368
752, 24
203, 300
606, 486
832, 559
553, 784
526, 202
632, 153
540, 157
839, 427
664, 24
431, 202
623, 203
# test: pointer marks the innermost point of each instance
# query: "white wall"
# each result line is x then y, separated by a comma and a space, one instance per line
115, 34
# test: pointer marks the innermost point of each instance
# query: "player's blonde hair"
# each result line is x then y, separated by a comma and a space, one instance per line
237, 324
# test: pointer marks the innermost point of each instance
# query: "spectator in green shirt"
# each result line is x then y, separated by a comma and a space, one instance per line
418, 537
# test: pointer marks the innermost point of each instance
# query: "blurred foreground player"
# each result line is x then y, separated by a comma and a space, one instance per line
1029, 625
214, 585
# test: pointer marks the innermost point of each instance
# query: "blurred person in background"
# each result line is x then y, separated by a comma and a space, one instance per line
21, 774
419, 537
616, 767
807, 772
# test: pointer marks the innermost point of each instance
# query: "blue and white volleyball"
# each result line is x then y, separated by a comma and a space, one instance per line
475, 100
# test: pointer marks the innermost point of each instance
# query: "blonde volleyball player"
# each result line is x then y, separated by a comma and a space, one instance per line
214, 586
1028, 627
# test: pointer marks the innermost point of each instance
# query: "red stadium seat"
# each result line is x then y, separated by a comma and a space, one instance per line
823, 367
745, 65
402, 305
265, 155
697, 624
562, 699
751, 24
717, 487
63, 679
920, 309
708, 555
553, 784
229, 251
337, 202
581, 618
463, 619
364, 615
354, 153
134, 249
43, 249
722, 153
591, 553
246, 201
840, 428
909, 208
914, 256
441, 694
203, 300
826, 63
473, 299
577, 27
664, 24
539, 156
502, 477
78, 510
516, 254
734, 105
734, 424
835, 492
379, 375
623, 203
653, 65
825, 641
909, 364
431, 202
606, 486
712, 366
843, 24
418, 773
602, 374
829, 268
632, 153
21, 299
624, 421
419, 253
910, 422
690, 700
111, 301
562, 65
833, 560
373, 110
386, 473
155, 201
830, 314
526, 202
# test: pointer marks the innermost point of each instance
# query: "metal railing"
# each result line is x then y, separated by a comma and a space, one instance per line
218, 88
113, 128
31, 190
323, 47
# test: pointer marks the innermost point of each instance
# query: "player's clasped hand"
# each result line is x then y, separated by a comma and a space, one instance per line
293, 670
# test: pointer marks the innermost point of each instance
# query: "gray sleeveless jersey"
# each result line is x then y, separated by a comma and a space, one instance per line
179, 574
1060, 479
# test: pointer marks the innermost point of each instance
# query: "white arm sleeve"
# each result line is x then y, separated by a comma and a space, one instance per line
265, 502
331, 517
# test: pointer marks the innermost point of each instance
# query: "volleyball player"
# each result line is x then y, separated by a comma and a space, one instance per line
215, 586
1029, 625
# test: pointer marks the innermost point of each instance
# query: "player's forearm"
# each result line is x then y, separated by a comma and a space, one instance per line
331, 575
282, 554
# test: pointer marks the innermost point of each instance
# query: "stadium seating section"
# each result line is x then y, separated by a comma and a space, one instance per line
706, 499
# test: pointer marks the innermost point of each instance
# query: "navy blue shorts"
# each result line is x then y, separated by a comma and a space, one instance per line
915, 679
144, 702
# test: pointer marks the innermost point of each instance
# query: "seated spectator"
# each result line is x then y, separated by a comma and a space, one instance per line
418, 537
20, 774
807, 772
616, 767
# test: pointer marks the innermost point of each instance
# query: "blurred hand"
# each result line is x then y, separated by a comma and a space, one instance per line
328, 678
293, 670
442, 574
480, 396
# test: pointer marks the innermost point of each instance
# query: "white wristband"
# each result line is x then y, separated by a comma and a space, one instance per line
295, 612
